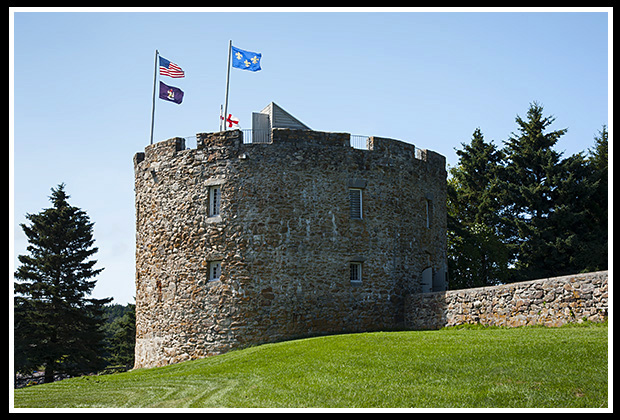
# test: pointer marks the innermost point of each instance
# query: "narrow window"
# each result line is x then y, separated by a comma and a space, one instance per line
215, 270
355, 269
355, 199
214, 201
427, 280
428, 213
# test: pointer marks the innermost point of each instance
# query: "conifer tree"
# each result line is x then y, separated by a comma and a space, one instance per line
524, 212
56, 325
597, 208
123, 342
477, 178
531, 177
477, 255
576, 240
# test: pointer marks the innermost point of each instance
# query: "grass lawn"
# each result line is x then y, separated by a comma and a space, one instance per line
470, 367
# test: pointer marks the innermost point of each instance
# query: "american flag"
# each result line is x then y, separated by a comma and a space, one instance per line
168, 68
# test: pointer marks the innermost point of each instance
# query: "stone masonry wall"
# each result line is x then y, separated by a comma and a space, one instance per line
551, 302
284, 237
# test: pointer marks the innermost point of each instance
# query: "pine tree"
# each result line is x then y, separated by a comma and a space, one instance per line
524, 212
576, 228
569, 225
476, 177
477, 255
56, 325
530, 180
123, 341
598, 211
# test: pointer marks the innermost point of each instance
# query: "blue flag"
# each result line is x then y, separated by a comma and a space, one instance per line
170, 93
246, 60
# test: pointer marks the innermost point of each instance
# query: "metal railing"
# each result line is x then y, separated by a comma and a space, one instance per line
251, 136
359, 141
256, 136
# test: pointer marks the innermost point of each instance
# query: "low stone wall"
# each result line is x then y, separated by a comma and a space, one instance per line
551, 302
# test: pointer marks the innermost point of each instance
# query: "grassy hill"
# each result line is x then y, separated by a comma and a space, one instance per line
471, 367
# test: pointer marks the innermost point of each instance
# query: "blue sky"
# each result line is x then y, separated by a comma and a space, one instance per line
82, 91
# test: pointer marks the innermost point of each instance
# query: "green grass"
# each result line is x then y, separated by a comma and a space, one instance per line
468, 367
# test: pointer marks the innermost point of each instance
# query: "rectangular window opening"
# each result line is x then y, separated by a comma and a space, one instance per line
428, 213
355, 269
355, 199
214, 201
215, 270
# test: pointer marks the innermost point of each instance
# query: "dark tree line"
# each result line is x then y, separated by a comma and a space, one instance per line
120, 330
523, 211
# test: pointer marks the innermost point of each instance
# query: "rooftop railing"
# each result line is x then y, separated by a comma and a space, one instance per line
251, 136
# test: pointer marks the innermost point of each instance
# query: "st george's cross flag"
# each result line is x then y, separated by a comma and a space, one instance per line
246, 60
168, 68
231, 120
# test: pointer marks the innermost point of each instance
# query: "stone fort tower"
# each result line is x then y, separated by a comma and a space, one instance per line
241, 243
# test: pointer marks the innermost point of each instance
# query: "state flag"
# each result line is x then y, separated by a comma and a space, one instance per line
170, 93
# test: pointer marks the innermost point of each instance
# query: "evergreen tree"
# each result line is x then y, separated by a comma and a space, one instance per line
569, 225
575, 230
598, 205
123, 340
477, 255
477, 181
56, 325
530, 179
599, 157
524, 212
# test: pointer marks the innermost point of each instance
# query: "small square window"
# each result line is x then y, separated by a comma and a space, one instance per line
355, 269
355, 199
215, 270
214, 201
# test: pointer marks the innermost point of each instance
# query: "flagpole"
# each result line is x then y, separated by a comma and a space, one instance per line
154, 84
227, 83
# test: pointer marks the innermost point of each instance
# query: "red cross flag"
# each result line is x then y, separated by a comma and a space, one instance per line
232, 121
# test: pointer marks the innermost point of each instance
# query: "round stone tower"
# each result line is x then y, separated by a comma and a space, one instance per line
240, 244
